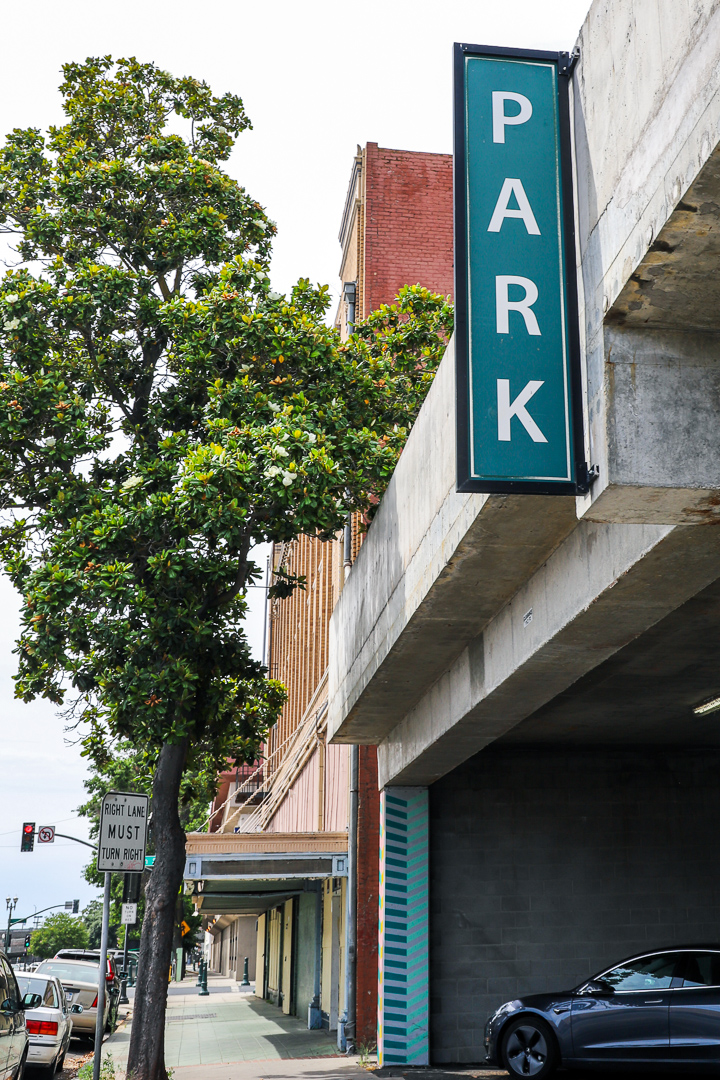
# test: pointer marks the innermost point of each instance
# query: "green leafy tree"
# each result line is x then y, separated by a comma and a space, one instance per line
59, 931
161, 411
92, 918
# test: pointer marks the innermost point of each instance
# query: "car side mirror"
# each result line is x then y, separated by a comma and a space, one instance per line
76, 1009
31, 1001
592, 986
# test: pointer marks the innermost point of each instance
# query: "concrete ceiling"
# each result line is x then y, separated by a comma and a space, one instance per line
645, 693
676, 285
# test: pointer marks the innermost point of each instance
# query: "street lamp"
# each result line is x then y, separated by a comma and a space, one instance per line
11, 905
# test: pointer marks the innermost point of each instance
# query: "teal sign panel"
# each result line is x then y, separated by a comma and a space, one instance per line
519, 414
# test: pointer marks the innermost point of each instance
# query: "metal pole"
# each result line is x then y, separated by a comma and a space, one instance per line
351, 909
102, 981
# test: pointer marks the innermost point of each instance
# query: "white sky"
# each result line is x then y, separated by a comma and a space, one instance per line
317, 78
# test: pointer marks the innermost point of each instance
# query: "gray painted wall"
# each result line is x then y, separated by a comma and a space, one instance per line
547, 865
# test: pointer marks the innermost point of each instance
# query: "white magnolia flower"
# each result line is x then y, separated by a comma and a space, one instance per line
12, 298
312, 437
12, 324
274, 407
289, 478
50, 442
275, 296
274, 470
281, 451
131, 482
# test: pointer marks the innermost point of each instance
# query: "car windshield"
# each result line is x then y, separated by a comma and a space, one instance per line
71, 972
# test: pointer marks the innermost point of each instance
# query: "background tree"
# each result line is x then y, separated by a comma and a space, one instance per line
161, 411
59, 931
92, 920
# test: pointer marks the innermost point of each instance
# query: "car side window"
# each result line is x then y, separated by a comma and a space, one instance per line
648, 973
3, 986
50, 997
702, 969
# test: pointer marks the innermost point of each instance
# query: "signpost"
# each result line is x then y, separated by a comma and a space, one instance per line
121, 847
519, 414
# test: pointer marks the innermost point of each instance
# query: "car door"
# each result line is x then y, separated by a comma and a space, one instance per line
6, 1024
18, 1038
626, 1018
695, 1009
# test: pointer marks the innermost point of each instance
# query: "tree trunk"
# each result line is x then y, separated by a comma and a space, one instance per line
146, 1059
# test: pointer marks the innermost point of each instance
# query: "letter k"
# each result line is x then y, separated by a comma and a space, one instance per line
506, 410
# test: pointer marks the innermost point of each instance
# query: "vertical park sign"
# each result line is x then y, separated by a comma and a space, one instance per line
519, 413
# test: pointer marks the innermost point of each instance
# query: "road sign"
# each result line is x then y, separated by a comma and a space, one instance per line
519, 415
184, 928
46, 834
123, 832
149, 862
129, 914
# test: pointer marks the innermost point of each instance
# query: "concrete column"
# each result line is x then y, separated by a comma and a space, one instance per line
403, 946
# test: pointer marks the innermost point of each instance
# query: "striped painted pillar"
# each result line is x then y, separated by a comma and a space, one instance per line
403, 954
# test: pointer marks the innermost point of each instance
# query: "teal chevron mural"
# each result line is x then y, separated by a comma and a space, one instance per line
403, 953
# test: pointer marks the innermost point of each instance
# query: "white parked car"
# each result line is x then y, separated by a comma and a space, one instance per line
49, 1025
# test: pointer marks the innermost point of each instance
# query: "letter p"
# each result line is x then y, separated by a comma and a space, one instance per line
501, 120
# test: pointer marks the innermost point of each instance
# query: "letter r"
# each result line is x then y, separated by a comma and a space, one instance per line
503, 304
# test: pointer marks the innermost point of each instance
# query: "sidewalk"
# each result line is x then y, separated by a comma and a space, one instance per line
218, 1037
236, 1036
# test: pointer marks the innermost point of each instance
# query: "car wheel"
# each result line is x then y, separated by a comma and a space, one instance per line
61, 1061
529, 1048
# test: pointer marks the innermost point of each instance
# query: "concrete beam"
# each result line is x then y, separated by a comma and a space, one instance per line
599, 591
435, 567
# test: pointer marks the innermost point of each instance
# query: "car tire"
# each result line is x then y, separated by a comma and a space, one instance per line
61, 1061
529, 1048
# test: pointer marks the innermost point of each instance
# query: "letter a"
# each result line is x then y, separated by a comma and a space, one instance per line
503, 305
500, 120
506, 410
501, 211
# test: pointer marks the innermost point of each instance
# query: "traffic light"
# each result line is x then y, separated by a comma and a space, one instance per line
27, 940
76, 906
28, 836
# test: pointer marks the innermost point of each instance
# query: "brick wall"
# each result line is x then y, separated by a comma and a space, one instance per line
547, 865
368, 880
408, 223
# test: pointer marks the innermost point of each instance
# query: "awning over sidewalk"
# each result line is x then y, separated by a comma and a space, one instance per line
251, 872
